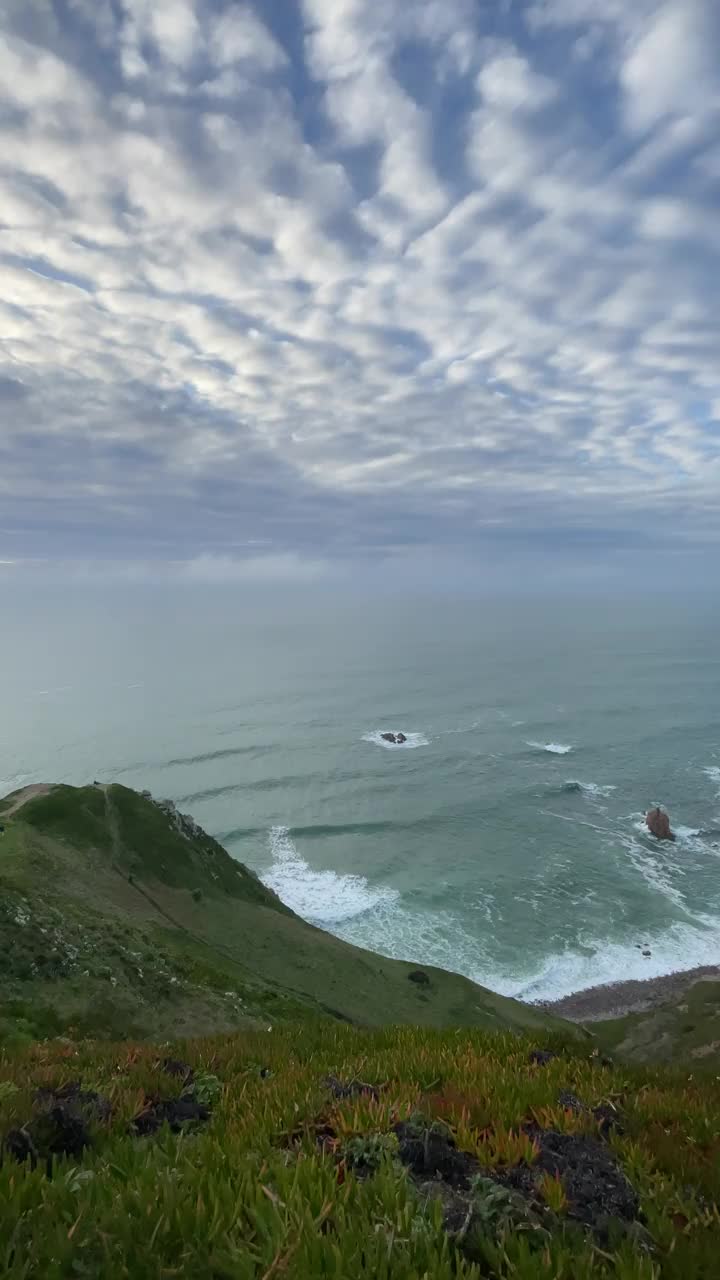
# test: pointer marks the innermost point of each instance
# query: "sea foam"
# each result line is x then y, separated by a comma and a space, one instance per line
588, 788
376, 917
555, 748
322, 897
713, 773
682, 946
412, 740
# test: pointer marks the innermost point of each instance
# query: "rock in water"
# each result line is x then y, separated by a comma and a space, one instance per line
658, 824
396, 738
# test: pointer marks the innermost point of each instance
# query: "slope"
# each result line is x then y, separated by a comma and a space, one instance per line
331, 1151
684, 1028
120, 917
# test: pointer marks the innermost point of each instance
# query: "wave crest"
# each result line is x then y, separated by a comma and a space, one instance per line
588, 788
554, 748
322, 897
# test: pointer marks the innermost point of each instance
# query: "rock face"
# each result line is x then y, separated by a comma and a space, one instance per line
658, 824
183, 822
396, 738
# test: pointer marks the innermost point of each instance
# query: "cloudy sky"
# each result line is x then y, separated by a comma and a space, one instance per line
290, 284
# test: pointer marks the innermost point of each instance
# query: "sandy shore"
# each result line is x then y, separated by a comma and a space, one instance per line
597, 1004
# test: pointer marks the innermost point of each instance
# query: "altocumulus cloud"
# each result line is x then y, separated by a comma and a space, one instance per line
289, 285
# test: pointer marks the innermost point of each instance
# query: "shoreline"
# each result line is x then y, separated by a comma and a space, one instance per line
618, 999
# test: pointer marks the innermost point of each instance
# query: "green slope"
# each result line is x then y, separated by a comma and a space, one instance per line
118, 919
294, 1169
684, 1029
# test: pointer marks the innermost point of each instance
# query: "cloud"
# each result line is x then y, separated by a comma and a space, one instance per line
350, 278
670, 68
508, 83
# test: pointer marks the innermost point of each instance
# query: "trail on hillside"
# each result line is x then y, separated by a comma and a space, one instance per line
212, 946
28, 793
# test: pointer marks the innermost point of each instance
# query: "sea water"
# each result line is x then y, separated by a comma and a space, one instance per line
504, 839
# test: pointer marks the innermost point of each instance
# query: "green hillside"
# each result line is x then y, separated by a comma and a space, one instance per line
447, 1134
119, 918
685, 1028
321, 1150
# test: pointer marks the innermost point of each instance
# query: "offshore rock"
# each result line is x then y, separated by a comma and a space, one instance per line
658, 824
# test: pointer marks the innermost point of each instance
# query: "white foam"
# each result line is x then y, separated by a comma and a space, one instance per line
555, 748
713, 773
412, 740
592, 788
698, 841
657, 872
688, 838
322, 897
429, 937
679, 947
439, 939
377, 918
686, 833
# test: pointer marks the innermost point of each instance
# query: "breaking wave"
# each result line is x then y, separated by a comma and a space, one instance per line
322, 897
555, 748
587, 788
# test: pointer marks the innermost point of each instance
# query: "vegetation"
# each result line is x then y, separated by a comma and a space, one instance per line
473, 1138
278, 1172
685, 1029
119, 918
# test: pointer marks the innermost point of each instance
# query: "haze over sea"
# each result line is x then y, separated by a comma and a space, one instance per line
504, 840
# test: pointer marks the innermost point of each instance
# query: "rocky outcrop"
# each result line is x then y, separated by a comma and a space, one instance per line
183, 823
658, 824
396, 738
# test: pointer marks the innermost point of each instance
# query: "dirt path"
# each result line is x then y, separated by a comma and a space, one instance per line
112, 821
27, 793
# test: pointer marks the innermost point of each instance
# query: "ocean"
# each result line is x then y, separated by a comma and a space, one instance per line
503, 840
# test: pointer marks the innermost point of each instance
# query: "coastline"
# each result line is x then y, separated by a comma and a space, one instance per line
617, 999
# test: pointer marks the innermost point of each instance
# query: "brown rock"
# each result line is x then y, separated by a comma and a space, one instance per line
658, 824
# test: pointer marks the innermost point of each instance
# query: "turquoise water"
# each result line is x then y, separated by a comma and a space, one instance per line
467, 847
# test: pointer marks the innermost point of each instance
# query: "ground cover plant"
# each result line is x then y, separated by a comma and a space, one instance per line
325, 1150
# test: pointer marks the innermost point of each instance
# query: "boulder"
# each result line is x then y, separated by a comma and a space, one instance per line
396, 738
658, 824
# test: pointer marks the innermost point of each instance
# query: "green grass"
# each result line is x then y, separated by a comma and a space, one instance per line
113, 922
252, 1196
686, 1029
117, 927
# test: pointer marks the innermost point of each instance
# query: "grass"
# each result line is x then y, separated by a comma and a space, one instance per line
684, 1030
119, 926
114, 922
253, 1195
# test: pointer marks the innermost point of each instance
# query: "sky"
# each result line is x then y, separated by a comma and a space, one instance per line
303, 288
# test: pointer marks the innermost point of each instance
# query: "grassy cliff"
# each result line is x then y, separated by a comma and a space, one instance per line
473, 1138
684, 1028
119, 918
